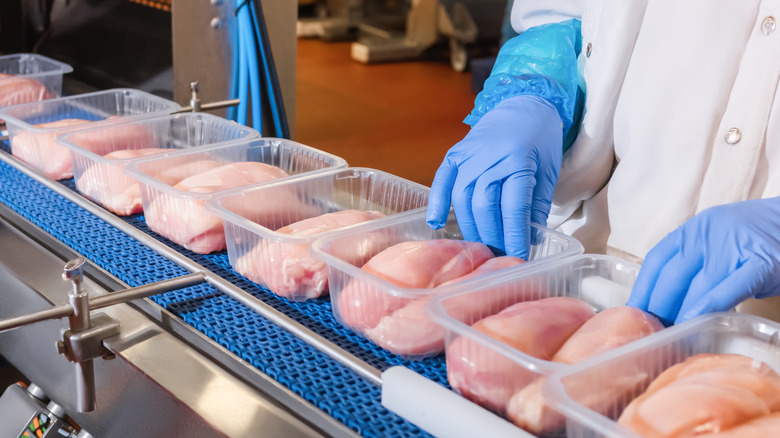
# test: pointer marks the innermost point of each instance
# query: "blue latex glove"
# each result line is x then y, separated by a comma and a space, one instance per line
502, 175
714, 261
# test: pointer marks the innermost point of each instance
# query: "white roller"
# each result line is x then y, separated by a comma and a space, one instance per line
604, 293
440, 411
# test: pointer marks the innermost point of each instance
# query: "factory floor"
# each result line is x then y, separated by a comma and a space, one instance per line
398, 117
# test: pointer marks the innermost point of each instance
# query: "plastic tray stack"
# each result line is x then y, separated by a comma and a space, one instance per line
282, 262
39, 75
602, 281
189, 208
579, 390
37, 145
548, 245
105, 181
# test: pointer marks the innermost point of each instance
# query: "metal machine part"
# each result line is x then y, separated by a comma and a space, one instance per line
83, 341
203, 39
196, 105
157, 382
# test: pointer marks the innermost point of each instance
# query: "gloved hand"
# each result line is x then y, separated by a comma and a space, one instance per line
502, 175
711, 263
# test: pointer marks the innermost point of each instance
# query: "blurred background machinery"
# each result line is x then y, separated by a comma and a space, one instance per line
398, 30
160, 46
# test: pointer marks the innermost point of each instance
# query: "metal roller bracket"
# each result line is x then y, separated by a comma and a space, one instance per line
83, 341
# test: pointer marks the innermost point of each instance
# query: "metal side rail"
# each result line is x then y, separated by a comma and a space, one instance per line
153, 381
354, 404
218, 282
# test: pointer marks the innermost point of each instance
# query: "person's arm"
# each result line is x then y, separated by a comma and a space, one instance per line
502, 175
712, 262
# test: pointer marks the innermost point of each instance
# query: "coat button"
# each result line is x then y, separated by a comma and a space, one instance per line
588, 49
733, 136
769, 25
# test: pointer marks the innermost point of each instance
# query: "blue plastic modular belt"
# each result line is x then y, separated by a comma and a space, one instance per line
317, 378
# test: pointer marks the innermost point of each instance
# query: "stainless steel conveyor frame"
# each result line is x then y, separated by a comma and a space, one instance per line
334, 351
162, 363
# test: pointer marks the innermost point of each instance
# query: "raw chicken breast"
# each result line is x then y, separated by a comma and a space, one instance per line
41, 151
186, 221
609, 329
411, 264
410, 332
767, 426
289, 270
705, 394
184, 167
537, 328
15, 90
108, 185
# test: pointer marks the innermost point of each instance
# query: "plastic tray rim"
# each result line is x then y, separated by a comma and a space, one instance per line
29, 127
394, 290
134, 172
64, 68
214, 205
435, 310
63, 139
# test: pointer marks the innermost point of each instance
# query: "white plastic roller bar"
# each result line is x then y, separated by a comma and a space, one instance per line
439, 411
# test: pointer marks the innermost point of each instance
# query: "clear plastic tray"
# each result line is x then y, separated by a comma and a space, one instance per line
32, 78
601, 281
425, 339
37, 146
181, 215
281, 261
635, 365
101, 178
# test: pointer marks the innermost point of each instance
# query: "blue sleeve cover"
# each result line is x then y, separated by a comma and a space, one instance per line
541, 61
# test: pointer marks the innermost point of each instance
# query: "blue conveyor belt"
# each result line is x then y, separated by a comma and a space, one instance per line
332, 387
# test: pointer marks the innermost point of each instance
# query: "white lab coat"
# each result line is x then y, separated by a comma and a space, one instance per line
671, 86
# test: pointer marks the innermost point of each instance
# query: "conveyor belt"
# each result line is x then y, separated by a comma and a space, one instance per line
327, 384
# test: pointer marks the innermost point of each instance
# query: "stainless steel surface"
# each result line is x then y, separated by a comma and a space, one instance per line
157, 384
83, 341
334, 351
204, 53
105, 300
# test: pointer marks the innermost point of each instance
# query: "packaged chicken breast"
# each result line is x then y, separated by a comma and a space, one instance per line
274, 252
517, 330
28, 77
383, 297
100, 154
33, 128
177, 210
712, 376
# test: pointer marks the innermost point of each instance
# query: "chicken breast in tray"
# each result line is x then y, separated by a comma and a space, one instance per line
41, 150
289, 270
410, 332
538, 328
707, 393
186, 220
410, 265
109, 186
15, 90
605, 331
